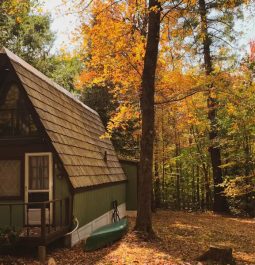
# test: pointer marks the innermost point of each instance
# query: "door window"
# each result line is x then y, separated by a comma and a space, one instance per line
38, 186
39, 173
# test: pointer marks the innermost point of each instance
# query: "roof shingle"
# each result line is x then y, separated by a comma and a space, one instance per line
75, 129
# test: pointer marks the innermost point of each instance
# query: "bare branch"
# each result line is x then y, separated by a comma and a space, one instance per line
181, 97
171, 9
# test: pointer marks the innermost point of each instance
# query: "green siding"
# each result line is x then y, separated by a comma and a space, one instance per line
91, 204
17, 215
61, 191
131, 171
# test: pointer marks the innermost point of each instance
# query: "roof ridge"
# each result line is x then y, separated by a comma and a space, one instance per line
43, 77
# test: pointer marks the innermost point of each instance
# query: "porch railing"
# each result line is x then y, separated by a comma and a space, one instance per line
55, 219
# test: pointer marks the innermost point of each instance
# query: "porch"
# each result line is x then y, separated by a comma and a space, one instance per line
54, 220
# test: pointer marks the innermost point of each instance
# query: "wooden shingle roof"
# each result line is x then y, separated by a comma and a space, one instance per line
74, 129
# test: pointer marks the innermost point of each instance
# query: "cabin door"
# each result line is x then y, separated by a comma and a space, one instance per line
38, 186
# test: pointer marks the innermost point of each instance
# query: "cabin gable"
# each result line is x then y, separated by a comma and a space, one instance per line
21, 133
15, 117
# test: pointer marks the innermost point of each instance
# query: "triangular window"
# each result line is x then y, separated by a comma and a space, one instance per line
15, 119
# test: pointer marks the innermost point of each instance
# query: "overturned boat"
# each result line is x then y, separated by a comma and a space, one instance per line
106, 235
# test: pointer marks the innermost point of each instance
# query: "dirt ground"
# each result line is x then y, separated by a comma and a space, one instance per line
182, 237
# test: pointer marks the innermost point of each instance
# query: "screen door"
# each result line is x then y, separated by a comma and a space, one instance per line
38, 186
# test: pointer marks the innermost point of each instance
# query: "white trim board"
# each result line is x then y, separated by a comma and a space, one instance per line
84, 232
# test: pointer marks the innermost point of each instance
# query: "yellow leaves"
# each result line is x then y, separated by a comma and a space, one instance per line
40, 10
239, 186
231, 109
18, 20
155, 9
175, 33
114, 50
121, 118
16, 7
228, 165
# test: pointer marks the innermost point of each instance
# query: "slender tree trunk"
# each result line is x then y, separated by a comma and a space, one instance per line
202, 193
178, 192
220, 202
193, 188
143, 221
183, 191
163, 154
157, 184
249, 206
207, 186
178, 167
198, 189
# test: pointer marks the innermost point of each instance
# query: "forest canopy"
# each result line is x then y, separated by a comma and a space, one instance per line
203, 146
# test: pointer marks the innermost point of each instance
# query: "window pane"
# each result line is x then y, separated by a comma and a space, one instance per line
9, 178
39, 173
15, 120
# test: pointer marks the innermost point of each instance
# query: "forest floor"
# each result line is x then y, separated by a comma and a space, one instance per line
182, 237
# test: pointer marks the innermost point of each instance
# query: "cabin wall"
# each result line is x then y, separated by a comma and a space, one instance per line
130, 169
93, 209
61, 187
15, 150
61, 191
91, 204
17, 215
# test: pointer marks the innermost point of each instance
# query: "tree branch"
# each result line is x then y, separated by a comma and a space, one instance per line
177, 98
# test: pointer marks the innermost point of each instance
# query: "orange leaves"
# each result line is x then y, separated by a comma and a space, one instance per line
113, 45
18, 20
87, 78
121, 118
252, 50
175, 83
114, 50
182, 237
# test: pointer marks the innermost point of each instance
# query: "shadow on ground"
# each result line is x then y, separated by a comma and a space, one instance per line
182, 237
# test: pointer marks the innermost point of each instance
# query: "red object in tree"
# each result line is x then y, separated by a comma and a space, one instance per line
252, 50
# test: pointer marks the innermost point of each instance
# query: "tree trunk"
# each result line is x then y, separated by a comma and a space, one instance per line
178, 168
143, 221
193, 189
249, 206
207, 187
198, 189
220, 202
202, 193
163, 155
157, 184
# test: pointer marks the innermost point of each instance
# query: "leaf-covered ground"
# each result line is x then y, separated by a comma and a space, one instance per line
182, 238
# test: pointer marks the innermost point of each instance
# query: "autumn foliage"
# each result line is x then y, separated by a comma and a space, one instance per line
113, 46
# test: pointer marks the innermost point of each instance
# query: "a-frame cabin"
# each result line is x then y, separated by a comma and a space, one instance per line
54, 163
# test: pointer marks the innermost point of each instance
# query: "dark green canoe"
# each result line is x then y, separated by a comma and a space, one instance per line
106, 235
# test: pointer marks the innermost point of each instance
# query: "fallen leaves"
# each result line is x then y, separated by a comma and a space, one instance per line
182, 237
